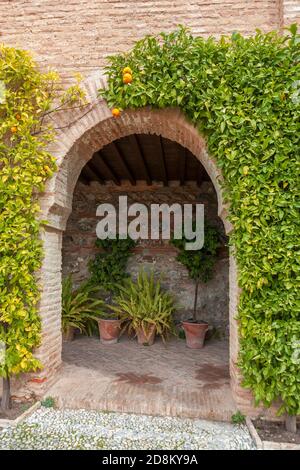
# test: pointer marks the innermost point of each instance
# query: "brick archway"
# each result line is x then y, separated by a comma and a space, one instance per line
75, 144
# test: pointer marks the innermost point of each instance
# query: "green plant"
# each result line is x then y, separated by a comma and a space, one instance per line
25, 406
242, 94
108, 268
48, 402
26, 103
143, 303
238, 418
181, 333
80, 307
199, 263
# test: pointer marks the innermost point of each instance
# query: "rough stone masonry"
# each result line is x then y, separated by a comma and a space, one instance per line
158, 255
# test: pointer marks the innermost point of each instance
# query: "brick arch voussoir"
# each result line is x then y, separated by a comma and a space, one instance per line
83, 135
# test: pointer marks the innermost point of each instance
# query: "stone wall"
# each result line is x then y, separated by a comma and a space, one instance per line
78, 35
80, 236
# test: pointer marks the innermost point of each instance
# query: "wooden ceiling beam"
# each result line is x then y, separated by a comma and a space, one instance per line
162, 159
200, 174
139, 151
182, 164
108, 169
84, 177
90, 174
122, 161
95, 170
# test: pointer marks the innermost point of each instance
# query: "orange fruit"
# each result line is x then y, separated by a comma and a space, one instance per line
127, 70
116, 112
127, 78
18, 117
13, 129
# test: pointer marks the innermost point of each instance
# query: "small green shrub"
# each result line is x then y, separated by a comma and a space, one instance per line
48, 402
199, 263
80, 307
181, 333
108, 268
238, 418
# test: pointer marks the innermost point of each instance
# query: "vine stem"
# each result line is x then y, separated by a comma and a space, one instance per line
195, 299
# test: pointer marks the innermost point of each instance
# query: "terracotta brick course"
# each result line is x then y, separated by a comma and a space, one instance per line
78, 35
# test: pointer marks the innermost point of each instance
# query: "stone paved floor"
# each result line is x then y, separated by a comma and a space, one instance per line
163, 380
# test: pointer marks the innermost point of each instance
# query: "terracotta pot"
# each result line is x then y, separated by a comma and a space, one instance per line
146, 340
68, 335
195, 334
109, 331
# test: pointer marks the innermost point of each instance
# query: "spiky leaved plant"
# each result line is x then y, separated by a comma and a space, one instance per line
143, 303
80, 306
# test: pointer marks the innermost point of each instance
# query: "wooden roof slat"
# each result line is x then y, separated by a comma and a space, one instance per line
182, 164
122, 161
90, 174
200, 174
108, 169
84, 177
96, 171
139, 151
162, 159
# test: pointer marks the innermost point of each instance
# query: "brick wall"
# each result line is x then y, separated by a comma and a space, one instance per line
291, 11
80, 236
79, 34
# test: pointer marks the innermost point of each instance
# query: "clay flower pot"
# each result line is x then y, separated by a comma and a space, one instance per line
68, 334
109, 331
146, 339
195, 333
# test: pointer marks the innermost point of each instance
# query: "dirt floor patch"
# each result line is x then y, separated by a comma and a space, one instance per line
138, 379
18, 408
275, 431
212, 373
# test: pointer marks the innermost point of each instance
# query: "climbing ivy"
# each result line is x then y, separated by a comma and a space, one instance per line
108, 267
26, 104
243, 95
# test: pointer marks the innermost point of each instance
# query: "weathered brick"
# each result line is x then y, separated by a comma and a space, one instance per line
78, 35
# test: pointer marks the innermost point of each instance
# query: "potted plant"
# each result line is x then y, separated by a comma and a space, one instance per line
80, 308
145, 308
200, 264
108, 270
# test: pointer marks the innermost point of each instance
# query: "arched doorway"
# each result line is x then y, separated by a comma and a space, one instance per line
76, 144
149, 170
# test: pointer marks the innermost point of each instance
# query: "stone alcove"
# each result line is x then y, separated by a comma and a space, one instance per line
77, 141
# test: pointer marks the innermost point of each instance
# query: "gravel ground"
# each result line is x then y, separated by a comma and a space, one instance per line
48, 428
